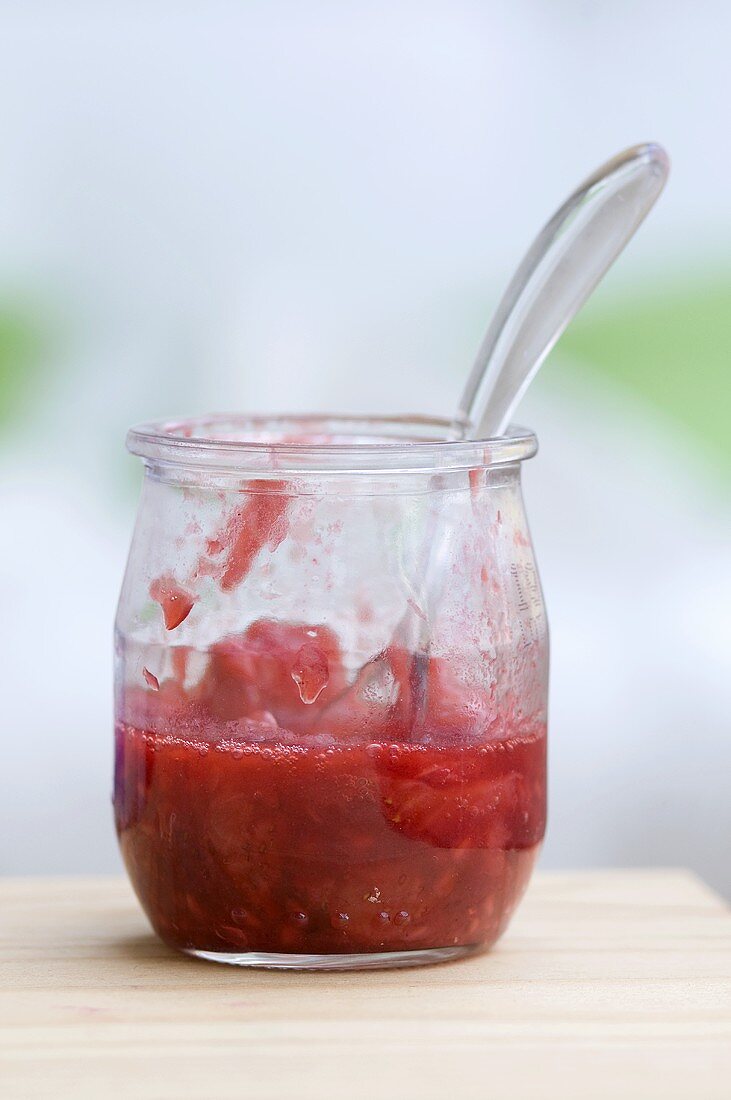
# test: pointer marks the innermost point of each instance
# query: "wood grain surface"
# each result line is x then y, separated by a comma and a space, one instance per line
608, 984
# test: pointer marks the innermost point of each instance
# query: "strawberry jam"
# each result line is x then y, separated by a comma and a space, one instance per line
282, 806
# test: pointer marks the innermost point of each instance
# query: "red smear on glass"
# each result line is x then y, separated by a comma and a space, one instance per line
151, 679
175, 602
260, 521
179, 659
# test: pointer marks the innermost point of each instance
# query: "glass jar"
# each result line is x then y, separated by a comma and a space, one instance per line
331, 680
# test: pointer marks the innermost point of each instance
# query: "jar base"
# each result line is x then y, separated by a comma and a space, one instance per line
377, 960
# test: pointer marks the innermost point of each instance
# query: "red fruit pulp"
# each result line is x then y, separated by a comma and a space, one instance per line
255, 816
175, 602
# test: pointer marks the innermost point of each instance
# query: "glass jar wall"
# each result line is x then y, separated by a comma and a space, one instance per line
331, 679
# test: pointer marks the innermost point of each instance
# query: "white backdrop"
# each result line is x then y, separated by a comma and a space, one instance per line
314, 205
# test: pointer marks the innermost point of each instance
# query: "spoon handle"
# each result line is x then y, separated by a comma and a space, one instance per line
558, 273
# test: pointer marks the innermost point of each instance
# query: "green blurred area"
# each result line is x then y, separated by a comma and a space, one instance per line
670, 347
23, 341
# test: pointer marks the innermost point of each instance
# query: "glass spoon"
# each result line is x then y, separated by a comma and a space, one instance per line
566, 261
562, 267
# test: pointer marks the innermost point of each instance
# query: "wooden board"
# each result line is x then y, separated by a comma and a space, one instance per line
608, 984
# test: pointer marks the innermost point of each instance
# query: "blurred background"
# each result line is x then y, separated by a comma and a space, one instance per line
315, 205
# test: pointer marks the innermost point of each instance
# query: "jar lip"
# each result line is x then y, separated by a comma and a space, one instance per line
323, 442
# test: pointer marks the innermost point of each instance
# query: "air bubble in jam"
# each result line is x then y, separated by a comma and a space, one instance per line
310, 672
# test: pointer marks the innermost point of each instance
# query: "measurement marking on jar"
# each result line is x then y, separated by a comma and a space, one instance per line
523, 604
530, 607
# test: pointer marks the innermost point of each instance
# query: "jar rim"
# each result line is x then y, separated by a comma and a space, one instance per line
323, 442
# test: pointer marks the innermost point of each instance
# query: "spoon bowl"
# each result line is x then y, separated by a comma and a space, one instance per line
566, 261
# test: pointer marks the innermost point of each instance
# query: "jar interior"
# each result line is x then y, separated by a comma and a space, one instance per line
331, 678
